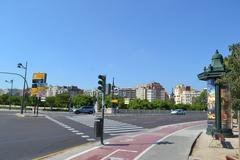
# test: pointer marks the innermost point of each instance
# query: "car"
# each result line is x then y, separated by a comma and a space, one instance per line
85, 109
178, 112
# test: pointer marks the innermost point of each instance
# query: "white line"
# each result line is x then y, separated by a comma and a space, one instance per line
118, 151
75, 131
79, 133
71, 129
91, 139
141, 154
85, 136
122, 131
113, 129
81, 153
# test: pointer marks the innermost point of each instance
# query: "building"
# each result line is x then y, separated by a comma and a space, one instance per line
55, 90
91, 93
141, 92
127, 93
152, 91
15, 92
185, 94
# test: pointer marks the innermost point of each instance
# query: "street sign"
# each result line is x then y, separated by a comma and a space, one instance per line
114, 101
126, 100
39, 75
34, 91
39, 85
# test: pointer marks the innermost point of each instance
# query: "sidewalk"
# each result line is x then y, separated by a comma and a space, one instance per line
167, 142
208, 149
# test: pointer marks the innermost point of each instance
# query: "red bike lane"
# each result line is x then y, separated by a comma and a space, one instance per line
133, 146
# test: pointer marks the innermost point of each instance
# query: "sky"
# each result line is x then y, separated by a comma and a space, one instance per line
134, 41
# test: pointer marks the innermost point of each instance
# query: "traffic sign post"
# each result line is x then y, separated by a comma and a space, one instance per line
39, 88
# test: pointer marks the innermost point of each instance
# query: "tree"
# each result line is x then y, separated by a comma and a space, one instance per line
62, 100
200, 102
83, 100
50, 102
232, 77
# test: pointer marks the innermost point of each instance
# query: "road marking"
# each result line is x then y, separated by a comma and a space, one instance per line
79, 133
81, 153
91, 139
69, 128
118, 150
123, 131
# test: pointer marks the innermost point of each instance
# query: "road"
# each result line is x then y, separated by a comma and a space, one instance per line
31, 137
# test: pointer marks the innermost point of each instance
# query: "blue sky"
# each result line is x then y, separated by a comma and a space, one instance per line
135, 41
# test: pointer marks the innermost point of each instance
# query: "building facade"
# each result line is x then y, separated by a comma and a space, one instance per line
185, 94
127, 93
151, 92
55, 90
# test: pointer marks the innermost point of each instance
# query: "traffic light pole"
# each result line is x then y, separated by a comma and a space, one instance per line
103, 110
102, 88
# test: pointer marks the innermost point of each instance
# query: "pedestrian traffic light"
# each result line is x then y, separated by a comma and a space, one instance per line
102, 83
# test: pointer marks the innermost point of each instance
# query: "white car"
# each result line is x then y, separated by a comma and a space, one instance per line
178, 112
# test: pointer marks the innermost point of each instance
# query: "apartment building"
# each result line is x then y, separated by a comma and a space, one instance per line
185, 94
152, 91
127, 93
54, 90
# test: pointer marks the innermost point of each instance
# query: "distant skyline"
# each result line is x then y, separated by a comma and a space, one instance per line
136, 42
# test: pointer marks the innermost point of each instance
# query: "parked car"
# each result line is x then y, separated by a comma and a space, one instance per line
178, 112
85, 109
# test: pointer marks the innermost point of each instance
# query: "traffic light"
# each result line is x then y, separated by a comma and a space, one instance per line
102, 83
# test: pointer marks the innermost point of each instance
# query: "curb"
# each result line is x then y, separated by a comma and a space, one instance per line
191, 149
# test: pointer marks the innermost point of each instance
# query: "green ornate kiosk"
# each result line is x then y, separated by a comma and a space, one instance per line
218, 98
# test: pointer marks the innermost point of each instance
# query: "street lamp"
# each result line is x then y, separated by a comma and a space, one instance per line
20, 65
10, 95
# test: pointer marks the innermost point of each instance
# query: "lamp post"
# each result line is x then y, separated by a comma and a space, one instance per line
20, 65
10, 95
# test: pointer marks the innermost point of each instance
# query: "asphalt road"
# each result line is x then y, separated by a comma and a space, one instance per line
31, 137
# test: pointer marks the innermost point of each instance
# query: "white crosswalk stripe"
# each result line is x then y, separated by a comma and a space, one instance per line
111, 127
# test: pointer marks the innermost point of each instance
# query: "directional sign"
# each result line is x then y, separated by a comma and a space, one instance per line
39, 76
126, 100
41, 84
34, 91
114, 101
41, 88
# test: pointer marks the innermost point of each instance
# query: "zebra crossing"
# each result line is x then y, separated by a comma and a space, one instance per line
111, 127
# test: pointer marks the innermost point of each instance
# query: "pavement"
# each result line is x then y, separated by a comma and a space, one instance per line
207, 148
153, 144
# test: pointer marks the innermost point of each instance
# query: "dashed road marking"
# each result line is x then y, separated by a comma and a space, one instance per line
70, 129
79, 133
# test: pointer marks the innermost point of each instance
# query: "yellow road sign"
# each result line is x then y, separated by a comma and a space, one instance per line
39, 75
41, 88
34, 91
114, 101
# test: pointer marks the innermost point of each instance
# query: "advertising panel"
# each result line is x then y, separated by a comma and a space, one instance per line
226, 110
211, 101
